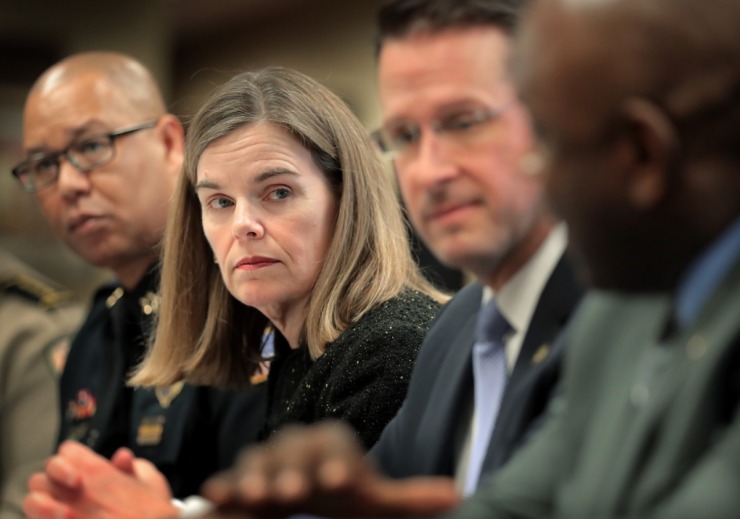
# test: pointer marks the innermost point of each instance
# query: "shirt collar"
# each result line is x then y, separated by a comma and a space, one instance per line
517, 299
705, 273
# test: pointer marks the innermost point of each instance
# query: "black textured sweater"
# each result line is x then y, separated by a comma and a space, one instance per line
361, 378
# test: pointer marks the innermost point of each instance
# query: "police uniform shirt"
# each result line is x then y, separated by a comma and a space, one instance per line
188, 432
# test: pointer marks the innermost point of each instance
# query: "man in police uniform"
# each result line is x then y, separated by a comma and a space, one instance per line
37, 318
102, 157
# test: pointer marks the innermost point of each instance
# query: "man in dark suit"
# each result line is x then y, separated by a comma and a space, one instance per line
459, 139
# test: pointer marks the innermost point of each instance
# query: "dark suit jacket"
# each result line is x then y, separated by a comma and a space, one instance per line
421, 439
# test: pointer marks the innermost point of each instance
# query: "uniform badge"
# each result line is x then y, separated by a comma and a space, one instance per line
150, 431
113, 298
82, 407
150, 303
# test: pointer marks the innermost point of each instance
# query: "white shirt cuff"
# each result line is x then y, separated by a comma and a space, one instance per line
192, 507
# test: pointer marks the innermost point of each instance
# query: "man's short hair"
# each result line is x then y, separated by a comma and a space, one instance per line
400, 18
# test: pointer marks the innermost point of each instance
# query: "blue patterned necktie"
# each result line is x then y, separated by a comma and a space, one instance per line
490, 374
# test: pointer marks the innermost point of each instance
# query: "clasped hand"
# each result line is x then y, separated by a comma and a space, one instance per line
318, 470
321, 470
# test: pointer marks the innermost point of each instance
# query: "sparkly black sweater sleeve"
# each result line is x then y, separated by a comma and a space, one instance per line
362, 377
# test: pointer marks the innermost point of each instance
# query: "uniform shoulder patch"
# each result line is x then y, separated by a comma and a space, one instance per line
37, 289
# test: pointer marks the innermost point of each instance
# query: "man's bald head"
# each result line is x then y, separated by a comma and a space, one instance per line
130, 78
97, 122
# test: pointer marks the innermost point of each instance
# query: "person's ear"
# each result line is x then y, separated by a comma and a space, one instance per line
173, 139
652, 147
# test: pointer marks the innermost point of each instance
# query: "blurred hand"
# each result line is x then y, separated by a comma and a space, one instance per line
80, 484
320, 470
143, 470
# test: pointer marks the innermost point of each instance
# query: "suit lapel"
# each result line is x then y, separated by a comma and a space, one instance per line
556, 304
538, 355
449, 398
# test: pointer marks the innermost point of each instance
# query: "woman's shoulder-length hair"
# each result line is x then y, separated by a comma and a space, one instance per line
206, 336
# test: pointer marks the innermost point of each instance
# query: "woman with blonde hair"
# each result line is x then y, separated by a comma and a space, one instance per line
285, 217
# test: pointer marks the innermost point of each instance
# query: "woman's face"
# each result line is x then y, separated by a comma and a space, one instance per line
268, 213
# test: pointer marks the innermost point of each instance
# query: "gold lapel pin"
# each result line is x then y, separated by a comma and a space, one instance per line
541, 353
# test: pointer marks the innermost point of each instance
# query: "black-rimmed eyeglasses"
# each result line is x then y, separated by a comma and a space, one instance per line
41, 170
